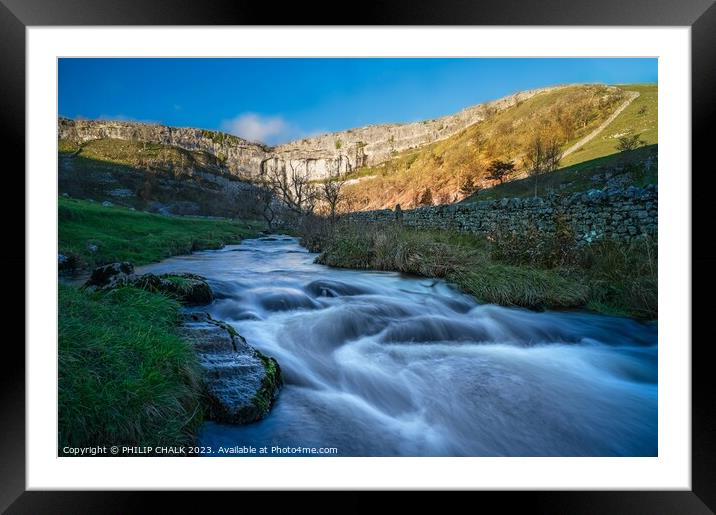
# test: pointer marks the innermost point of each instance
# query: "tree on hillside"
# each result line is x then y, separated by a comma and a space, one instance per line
426, 198
468, 185
331, 189
542, 157
627, 143
499, 170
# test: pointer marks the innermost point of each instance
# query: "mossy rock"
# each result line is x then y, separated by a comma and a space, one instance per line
240, 382
270, 385
113, 275
189, 289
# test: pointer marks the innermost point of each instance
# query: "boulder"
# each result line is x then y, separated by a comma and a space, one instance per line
189, 289
111, 276
240, 382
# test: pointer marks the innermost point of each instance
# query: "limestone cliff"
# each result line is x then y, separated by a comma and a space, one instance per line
319, 155
241, 157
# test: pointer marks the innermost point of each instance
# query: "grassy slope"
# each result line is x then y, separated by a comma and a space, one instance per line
567, 114
441, 165
125, 376
578, 177
149, 176
640, 117
140, 155
579, 168
124, 235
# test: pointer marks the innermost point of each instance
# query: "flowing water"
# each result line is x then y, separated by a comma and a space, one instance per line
381, 364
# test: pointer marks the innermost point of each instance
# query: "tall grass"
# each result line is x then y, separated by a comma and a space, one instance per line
125, 376
532, 269
624, 278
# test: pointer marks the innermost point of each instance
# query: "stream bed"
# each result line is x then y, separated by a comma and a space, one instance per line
382, 364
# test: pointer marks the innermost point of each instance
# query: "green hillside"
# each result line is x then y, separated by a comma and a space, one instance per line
152, 177
147, 156
640, 117
91, 234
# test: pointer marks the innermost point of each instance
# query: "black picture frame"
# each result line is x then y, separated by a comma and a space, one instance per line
700, 15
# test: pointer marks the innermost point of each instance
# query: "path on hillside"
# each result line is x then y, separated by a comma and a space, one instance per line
589, 137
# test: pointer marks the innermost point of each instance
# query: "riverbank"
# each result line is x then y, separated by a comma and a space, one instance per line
92, 234
126, 374
530, 270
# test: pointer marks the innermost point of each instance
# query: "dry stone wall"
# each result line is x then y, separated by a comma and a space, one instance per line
622, 214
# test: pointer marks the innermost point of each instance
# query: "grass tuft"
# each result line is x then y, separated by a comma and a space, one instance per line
125, 376
520, 286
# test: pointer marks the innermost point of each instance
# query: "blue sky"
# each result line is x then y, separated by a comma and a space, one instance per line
277, 100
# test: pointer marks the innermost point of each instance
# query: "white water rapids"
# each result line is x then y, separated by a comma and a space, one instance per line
380, 364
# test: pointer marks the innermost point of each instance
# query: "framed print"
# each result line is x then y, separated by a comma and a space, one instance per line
442, 249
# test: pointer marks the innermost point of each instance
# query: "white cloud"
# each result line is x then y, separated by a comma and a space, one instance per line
254, 127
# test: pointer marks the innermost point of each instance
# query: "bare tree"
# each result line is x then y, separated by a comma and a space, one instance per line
332, 189
293, 187
542, 157
265, 199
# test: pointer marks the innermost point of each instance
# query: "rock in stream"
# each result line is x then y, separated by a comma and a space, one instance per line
241, 383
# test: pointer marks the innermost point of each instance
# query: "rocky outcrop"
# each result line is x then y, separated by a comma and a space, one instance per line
113, 275
374, 144
241, 383
318, 156
189, 289
241, 157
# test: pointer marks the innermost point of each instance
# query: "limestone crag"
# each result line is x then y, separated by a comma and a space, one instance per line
240, 157
375, 144
318, 155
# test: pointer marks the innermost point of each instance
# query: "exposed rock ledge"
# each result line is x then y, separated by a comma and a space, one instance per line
240, 382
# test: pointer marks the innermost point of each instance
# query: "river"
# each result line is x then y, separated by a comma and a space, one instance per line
383, 364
